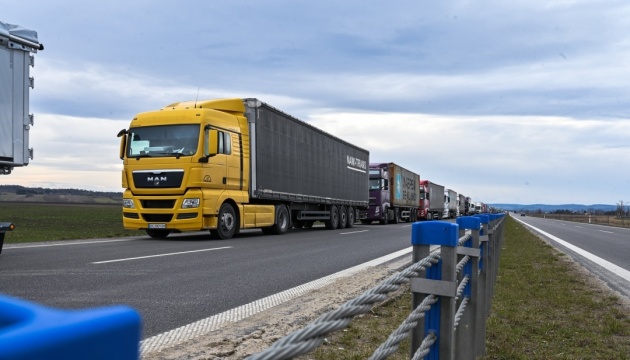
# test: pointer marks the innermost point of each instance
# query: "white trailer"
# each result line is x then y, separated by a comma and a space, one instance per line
16, 45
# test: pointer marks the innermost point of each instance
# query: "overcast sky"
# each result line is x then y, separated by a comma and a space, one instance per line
504, 101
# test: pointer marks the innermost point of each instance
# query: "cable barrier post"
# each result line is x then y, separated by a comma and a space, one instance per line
485, 268
471, 329
440, 281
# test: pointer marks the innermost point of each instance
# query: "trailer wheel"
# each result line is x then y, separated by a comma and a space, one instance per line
351, 217
158, 234
282, 221
333, 220
226, 228
343, 217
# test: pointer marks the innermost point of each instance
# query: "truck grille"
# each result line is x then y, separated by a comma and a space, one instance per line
158, 204
158, 178
157, 217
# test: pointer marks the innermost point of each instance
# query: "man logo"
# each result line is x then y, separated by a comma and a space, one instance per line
156, 179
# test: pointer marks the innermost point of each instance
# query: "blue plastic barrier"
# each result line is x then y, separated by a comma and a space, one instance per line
31, 331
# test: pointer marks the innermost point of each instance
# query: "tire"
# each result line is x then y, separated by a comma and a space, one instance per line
158, 234
351, 218
396, 216
386, 220
1, 241
227, 224
343, 218
333, 221
282, 221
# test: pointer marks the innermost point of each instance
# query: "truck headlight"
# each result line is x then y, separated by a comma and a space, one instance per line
190, 203
128, 203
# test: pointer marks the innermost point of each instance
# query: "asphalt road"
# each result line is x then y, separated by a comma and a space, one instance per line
603, 250
185, 278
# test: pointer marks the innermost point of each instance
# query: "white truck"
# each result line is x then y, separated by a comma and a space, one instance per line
16, 47
450, 204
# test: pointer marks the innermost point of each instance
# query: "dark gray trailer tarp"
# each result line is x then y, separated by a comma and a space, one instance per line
296, 161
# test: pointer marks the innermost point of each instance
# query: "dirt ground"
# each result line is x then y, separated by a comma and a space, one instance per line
256, 333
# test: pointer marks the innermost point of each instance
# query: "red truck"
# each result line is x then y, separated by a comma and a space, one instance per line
431, 200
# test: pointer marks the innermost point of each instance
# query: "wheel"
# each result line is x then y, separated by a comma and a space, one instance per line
226, 227
396, 216
1, 241
282, 221
386, 219
351, 217
333, 220
158, 234
343, 218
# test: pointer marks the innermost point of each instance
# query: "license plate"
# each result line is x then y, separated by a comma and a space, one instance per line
157, 226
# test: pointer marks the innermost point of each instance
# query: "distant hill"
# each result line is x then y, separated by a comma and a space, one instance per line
27, 194
551, 208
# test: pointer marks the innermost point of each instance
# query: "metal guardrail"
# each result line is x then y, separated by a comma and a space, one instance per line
450, 303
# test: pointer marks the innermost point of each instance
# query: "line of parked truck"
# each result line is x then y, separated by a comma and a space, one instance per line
229, 164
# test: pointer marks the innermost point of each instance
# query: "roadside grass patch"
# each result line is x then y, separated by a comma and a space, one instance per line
46, 222
545, 307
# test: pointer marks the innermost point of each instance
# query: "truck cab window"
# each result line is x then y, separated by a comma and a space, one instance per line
163, 140
225, 143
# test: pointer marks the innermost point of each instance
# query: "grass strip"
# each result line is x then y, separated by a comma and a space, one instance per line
46, 222
544, 307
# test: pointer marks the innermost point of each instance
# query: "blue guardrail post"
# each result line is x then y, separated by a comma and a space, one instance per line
441, 280
31, 331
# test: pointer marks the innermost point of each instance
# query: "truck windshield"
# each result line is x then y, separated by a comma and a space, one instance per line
165, 140
375, 184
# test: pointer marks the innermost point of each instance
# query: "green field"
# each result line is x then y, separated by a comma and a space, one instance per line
45, 222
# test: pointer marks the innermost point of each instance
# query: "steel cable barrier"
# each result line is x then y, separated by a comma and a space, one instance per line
451, 303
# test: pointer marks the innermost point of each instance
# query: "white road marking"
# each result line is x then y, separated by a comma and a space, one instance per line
160, 255
623, 273
204, 326
610, 232
72, 242
577, 226
354, 232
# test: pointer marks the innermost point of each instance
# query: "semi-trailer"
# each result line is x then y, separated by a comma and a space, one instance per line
394, 194
229, 164
461, 205
431, 200
450, 204
480, 208
17, 44
470, 206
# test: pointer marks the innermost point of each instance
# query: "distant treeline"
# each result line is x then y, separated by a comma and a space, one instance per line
21, 190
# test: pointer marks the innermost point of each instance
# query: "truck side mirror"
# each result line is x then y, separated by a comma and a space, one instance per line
385, 184
122, 134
